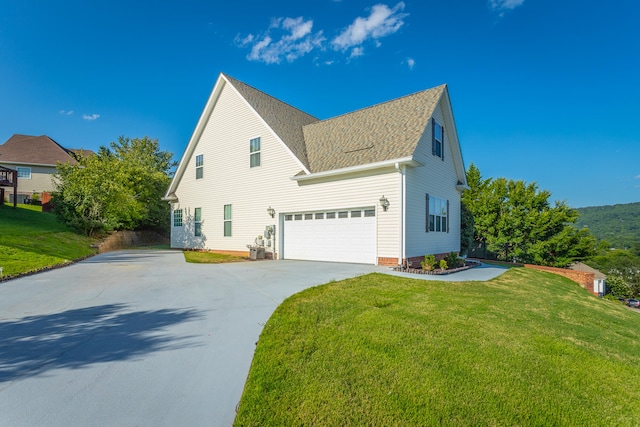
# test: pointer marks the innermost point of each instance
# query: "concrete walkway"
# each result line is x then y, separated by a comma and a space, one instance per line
141, 338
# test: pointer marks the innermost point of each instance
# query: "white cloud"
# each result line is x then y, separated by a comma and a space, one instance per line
411, 63
91, 117
66, 113
298, 39
502, 6
291, 38
381, 22
357, 51
637, 177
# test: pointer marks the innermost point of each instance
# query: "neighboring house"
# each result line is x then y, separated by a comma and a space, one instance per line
35, 158
599, 278
379, 185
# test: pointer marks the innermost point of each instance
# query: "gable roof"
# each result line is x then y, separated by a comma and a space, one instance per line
365, 138
390, 130
580, 266
36, 150
286, 121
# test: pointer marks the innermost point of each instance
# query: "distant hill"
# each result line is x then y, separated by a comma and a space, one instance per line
618, 224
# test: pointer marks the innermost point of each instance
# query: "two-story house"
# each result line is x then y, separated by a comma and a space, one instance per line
35, 158
380, 185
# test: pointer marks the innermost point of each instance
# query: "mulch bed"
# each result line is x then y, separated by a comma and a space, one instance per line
438, 272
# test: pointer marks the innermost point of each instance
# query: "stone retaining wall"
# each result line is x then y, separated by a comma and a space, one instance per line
126, 239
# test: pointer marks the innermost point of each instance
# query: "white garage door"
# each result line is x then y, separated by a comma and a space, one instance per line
346, 235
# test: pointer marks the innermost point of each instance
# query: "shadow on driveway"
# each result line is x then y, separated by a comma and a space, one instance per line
76, 338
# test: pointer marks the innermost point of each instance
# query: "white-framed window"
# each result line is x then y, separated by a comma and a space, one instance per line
199, 166
437, 139
197, 222
24, 173
437, 215
227, 220
177, 218
254, 152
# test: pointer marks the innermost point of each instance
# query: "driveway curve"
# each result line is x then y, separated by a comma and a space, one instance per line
139, 338
142, 338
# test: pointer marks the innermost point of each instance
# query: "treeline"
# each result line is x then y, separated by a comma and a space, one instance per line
515, 221
617, 224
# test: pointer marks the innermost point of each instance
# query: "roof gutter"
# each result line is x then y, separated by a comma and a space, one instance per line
27, 163
405, 161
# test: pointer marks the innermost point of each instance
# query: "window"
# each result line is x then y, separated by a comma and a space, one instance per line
254, 150
24, 173
298, 217
227, 220
369, 213
288, 217
331, 215
197, 218
343, 214
199, 167
437, 214
437, 139
308, 216
320, 215
177, 218
356, 214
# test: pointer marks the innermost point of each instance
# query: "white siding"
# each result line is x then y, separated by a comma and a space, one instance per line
437, 178
228, 179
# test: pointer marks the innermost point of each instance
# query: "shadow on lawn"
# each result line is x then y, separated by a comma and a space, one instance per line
76, 338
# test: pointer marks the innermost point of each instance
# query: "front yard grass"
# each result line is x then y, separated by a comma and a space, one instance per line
31, 240
527, 348
211, 258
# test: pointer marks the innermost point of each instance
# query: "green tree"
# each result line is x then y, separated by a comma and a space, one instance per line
121, 187
516, 220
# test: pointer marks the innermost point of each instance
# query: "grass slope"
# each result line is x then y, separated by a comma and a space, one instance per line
527, 348
32, 240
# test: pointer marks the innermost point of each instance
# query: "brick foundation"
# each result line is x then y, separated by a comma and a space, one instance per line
582, 278
388, 262
410, 262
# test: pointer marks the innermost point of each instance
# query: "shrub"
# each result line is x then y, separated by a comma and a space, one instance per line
452, 259
429, 262
443, 264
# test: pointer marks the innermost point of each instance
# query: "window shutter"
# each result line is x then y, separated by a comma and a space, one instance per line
433, 137
426, 219
447, 214
442, 148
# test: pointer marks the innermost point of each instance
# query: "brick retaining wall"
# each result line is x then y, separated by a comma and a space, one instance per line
582, 278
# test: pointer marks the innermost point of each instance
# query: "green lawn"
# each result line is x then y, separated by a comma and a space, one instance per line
31, 240
528, 348
211, 258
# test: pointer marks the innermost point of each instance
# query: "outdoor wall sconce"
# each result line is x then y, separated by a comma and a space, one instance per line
271, 212
384, 202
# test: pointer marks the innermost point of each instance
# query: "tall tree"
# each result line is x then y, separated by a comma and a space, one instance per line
516, 220
121, 187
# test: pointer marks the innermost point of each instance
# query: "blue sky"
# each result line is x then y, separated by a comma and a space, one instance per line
545, 91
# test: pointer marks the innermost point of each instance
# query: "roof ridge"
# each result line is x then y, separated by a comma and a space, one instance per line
228, 77
443, 85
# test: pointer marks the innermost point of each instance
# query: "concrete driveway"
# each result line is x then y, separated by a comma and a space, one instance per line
141, 338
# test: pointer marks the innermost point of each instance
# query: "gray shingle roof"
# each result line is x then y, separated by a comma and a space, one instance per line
285, 120
386, 131
35, 150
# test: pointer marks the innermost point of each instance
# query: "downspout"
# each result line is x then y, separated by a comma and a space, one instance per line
401, 214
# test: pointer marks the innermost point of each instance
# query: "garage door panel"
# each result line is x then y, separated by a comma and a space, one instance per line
350, 239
